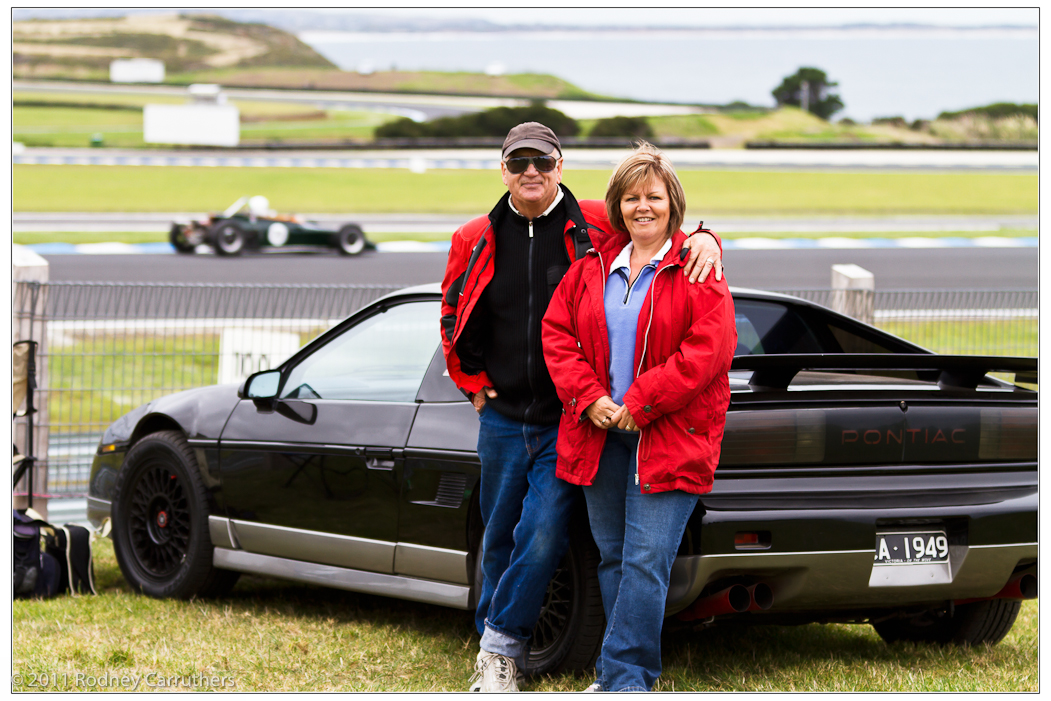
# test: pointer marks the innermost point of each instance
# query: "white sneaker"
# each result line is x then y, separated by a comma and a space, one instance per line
594, 687
493, 672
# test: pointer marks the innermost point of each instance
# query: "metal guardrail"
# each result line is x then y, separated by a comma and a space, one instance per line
110, 347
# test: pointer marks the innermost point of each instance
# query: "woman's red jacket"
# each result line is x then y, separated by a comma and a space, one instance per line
685, 342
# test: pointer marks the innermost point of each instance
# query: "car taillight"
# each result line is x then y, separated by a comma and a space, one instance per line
774, 437
1008, 434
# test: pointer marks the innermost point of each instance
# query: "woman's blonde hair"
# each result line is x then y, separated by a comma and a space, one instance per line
645, 163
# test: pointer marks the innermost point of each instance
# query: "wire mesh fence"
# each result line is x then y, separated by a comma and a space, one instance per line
963, 322
107, 348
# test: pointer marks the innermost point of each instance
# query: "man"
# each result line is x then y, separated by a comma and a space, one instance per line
502, 270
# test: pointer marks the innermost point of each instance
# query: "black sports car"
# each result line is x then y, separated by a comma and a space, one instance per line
249, 223
862, 479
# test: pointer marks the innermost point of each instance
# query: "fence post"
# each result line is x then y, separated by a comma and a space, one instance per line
853, 292
28, 322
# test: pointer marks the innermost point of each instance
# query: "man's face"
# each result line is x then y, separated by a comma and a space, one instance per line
532, 188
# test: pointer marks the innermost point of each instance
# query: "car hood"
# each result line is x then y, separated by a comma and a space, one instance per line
200, 413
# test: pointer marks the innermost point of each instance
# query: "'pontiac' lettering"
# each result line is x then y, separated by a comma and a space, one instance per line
876, 437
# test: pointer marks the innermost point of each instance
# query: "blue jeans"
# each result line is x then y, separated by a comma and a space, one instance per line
526, 511
637, 535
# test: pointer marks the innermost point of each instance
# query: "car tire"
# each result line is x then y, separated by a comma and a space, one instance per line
228, 239
160, 522
350, 240
178, 240
970, 624
568, 636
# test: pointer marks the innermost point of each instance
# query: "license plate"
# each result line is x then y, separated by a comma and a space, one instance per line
911, 548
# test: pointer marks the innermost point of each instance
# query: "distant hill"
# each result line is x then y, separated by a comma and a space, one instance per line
83, 48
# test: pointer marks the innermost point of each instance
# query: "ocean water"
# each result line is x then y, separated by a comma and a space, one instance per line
913, 73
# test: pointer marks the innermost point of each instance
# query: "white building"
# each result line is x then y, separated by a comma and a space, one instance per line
136, 70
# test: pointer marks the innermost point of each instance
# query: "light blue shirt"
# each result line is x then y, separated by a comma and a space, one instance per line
623, 301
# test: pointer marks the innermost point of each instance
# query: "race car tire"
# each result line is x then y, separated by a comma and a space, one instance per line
160, 522
179, 241
228, 239
970, 624
350, 240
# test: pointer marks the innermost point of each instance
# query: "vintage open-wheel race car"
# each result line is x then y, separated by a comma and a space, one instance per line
250, 224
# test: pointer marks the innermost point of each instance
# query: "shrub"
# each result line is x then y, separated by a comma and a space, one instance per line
623, 126
494, 122
891, 122
998, 110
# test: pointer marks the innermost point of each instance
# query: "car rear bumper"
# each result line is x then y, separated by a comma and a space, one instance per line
987, 543
830, 580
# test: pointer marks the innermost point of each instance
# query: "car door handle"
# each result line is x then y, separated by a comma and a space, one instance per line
379, 464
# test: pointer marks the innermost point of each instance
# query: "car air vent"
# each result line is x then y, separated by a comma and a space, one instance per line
450, 489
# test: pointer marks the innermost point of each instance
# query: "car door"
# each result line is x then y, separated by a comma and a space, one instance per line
315, 474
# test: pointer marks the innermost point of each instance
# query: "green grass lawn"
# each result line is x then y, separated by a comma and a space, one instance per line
71, 127
186, 189
269, 635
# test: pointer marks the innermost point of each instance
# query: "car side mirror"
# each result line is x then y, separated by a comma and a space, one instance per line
261, 385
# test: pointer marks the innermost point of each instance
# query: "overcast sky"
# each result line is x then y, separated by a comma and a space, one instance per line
718, 17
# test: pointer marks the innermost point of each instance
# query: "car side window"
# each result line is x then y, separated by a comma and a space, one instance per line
383, 358
765, 328
851, 342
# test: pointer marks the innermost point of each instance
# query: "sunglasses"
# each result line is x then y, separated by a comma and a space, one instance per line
520, 164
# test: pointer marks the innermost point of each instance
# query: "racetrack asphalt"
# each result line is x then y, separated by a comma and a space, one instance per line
894, 269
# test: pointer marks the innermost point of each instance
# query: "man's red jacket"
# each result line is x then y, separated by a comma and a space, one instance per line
685, 342
470, 268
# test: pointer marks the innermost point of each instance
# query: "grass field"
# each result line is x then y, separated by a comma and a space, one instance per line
276, 636
73, 126
39, 188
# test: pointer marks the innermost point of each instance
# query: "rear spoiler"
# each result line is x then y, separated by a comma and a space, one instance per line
954, 371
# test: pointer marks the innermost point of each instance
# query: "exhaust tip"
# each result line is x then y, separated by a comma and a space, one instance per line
762, 596
739, 598
1027, 586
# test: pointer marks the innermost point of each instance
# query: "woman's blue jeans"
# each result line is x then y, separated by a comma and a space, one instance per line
526, 511
638, 536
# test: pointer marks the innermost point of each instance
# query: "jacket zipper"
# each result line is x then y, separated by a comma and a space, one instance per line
645, 342
530, 372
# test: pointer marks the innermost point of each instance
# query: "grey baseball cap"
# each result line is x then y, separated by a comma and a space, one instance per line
532, 135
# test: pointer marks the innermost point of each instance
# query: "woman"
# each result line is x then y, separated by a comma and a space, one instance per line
639, 357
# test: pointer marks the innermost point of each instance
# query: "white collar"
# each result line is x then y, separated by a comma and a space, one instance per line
558, 198
623, 259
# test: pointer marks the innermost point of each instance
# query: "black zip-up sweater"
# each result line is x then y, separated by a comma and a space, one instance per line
506, 320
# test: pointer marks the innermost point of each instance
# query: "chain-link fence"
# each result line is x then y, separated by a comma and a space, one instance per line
109, 347
963, 322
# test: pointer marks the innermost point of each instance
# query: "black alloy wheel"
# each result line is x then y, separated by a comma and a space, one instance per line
568, 634
350, 240
228, 239
160, 522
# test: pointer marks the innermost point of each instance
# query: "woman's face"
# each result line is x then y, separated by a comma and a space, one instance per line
646, 211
